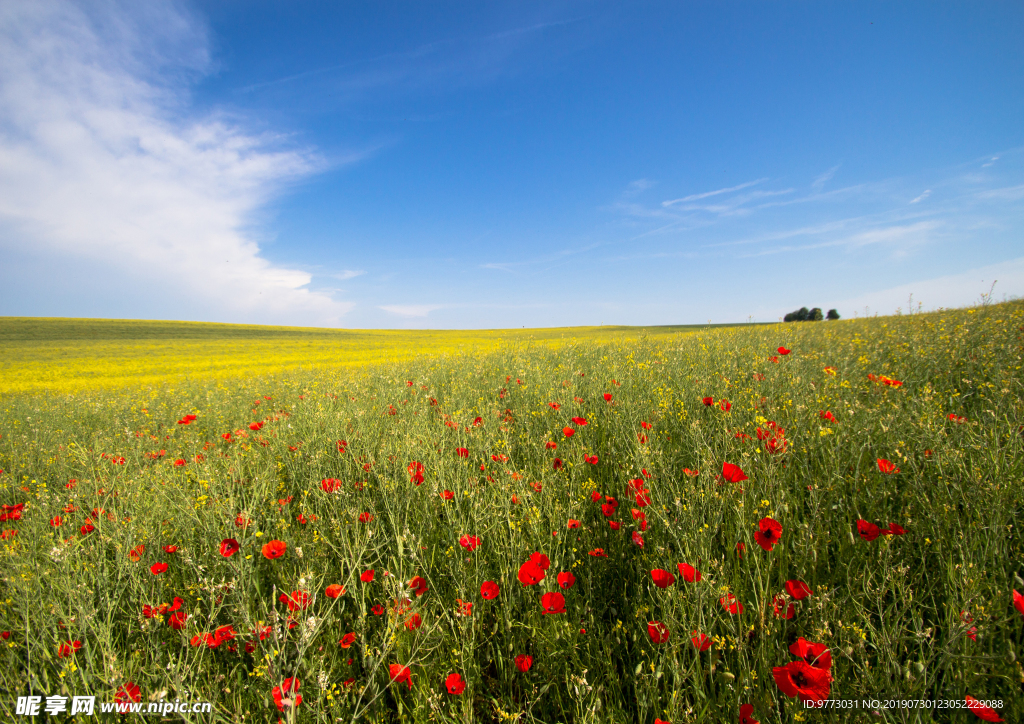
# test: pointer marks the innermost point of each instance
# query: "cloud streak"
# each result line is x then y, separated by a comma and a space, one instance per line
103, 166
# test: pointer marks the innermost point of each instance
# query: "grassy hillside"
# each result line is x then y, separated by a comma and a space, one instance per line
515, 532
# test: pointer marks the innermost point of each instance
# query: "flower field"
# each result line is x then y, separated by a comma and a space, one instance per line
713, 526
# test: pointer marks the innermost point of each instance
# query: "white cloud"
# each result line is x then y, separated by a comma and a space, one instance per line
102, 165
925, 194
411, 310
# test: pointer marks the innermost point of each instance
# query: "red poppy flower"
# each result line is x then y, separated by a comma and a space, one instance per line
708, 401
572, 524
566, 579
747, 714
157, 568
556, 464
55, 521
462, 452
515, 500
800, 679
614, 524
274, 549
868, 531
136, 553
554, 406
1018, 602
798, 590
689, 573
366, 576
817, 655
592, 459
177, 620
658, 632
170, 549
365, 517
568, 431
66, 650
242, 522
489, 590
894, 530
643, 498
228, 547
128, 692
378, 610
297, 601
347, 640
330, 485
724, 405
646, 425
733, 473
553, 603
662, 579
400, 674
700, 641
887, 467
524, 662
418, 585
551, 445
691, 473
783, 608
983, 712
598, 553
783, 351
595, 496
413, 622
607, 396
334, 590
730, 604
415, 470
455, 684
638, 539
826, 415
768, 533
478, 421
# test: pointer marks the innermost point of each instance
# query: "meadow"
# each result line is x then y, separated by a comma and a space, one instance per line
651, 526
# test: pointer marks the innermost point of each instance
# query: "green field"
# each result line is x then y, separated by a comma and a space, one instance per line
886, 532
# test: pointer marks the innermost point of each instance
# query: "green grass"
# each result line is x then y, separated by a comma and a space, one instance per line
889, 610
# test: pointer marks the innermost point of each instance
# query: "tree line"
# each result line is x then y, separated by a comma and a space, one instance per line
810, 315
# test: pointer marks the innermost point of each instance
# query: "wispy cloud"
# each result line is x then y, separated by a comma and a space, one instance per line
411, 310
708, 194
638, 187
348, 274
102, 164
820, 182
925, 194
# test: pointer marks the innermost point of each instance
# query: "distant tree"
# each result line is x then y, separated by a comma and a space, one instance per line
815, 315
799, 315
832, 314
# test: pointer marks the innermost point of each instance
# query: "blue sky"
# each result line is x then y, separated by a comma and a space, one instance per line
474, 165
